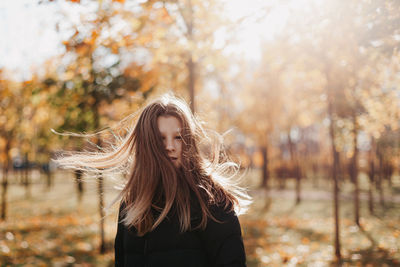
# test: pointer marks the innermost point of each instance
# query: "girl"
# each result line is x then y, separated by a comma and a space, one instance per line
178, 206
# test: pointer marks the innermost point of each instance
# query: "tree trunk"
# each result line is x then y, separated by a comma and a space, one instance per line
4, 183
101, 212
100, 178
79, 184
190, 64
265, 171
315, 174
336, 198
223, 108
49, 179
370, 199
100, 186
390, 182
295, 163
335, 166
4, 193
191, 80
379, 180
26, 176
371, 175
47, 176
340, 172
298, 184
354, 171
388, 172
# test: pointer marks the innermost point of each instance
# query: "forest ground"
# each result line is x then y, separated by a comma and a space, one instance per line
52, 228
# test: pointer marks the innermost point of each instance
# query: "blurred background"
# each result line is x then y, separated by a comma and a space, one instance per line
307, 92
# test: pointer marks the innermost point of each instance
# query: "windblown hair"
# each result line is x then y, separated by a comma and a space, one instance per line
154, 183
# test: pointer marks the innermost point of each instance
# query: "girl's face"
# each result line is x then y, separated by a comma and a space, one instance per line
170, 129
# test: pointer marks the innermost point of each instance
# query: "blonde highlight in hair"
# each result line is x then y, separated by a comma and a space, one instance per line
153, 182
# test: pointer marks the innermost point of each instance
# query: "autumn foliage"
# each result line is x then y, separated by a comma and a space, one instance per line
314, 121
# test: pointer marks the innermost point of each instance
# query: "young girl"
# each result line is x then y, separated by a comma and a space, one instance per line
178, 206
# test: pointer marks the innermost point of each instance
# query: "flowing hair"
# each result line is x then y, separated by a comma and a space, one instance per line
154, 183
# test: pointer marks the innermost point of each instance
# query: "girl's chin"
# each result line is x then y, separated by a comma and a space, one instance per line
177, 165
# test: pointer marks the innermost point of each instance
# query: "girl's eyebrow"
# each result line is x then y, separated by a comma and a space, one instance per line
175, 132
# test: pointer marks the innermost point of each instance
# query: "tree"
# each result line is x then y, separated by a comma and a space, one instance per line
185, 50
262, 102
341, 61
11, 107
89, 82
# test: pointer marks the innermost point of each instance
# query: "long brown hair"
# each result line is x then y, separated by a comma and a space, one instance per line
154, 183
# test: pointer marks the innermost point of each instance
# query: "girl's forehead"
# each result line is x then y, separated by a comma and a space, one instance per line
169, 124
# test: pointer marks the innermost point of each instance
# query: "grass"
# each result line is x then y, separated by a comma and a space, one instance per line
52, 228
281, 233
277, 232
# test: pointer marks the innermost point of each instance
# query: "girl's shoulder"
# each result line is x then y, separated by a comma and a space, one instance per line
222, 212
223, 237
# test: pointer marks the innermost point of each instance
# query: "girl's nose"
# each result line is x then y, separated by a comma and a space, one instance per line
170, 145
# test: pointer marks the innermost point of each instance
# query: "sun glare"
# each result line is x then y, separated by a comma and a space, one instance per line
260, 21
257, 21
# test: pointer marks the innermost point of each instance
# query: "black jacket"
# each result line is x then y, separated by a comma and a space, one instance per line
220, 244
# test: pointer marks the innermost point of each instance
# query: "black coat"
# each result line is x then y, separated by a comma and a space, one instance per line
220, 244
